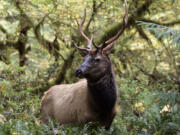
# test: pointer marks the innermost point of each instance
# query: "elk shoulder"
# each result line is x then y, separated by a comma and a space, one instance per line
67, 103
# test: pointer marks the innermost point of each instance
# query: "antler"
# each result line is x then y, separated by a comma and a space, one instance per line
88, 47
109, 43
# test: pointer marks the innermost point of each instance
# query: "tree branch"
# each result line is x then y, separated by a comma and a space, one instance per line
131, 21
94, 12
165, 24
52, 47
144, 36
3, 29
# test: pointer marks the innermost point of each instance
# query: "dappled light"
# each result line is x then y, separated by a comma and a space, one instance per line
44, 43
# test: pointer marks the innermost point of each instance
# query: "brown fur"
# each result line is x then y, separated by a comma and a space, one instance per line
70, 103
67, 103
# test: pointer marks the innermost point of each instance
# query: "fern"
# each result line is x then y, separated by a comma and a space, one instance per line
160, 31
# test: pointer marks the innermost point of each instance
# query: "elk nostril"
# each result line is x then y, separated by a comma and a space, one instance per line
78, 73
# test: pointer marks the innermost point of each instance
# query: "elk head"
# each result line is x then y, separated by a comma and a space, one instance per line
96, 62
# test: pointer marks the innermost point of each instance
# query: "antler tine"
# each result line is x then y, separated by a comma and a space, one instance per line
81, 49
111, 40
109, 46
90, 43
81, 31
95, 45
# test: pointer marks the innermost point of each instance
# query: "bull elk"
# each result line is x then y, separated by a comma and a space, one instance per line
92, 98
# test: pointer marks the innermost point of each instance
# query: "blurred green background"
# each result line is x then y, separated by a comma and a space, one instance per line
37, 51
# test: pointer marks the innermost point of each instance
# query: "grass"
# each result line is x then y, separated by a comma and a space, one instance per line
139, 107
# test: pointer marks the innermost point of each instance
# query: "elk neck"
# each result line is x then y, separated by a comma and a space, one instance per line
103, 91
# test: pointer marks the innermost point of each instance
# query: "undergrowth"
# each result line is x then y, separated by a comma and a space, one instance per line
142, 109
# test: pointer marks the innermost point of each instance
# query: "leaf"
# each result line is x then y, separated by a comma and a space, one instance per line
2, 119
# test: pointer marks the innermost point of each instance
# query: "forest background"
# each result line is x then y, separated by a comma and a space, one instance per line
37, 51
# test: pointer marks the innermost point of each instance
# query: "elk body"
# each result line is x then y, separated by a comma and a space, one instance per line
92, 98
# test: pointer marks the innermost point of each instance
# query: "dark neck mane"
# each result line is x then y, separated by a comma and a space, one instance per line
103, 91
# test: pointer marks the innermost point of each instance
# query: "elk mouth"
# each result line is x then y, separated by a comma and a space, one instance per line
79, 73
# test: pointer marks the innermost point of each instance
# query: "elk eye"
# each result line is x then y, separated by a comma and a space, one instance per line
97, 59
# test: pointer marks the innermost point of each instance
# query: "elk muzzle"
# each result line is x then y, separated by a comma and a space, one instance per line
83, 70
79, 73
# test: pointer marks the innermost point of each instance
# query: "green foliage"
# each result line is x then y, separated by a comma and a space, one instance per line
160, 31
140, 109
149, 110
173, 1
148, 85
